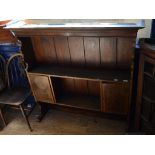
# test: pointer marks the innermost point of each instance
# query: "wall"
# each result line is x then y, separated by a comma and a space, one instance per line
145, 32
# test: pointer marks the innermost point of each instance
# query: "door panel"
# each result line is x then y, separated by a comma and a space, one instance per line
115, 97
41, 88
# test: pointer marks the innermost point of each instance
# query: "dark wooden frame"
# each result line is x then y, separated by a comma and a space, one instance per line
147, 54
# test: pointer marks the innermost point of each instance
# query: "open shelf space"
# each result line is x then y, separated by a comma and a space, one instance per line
83, 73
77, 93
80, 101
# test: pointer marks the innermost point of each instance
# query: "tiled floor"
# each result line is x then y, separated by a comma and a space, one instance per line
62, 123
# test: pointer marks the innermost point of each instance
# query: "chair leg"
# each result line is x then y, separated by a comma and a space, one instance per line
25, 117
3, 119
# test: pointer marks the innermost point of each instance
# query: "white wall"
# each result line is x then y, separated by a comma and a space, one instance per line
145, 33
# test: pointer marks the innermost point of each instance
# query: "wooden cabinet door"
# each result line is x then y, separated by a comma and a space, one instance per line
115, 97
41, 87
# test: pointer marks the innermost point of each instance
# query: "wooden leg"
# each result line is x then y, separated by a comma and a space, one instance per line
43, 110
3, 119
25, 117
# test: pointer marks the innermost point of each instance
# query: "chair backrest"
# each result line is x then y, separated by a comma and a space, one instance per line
16, 72
2, 68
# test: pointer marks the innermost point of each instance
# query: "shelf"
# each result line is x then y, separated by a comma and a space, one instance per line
148, 87
147, 99
80, 101
83, 73
148, 74
149, 68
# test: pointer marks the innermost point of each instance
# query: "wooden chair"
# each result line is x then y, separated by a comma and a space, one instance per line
16, 92
3, 82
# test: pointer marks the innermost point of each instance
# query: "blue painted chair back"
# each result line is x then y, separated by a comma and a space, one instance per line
15, 71
2, 68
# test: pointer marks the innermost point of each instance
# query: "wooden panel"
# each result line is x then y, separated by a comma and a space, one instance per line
108, 51
41, 88
81, 86
125, 49
62, 50
68, 84
49, 49
92, 54
115, 97
38, 49
44, 49
94, 88
77, 50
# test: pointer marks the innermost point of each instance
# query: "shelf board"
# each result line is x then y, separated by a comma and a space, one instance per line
147, 99
148, 74
80, 101
83, 73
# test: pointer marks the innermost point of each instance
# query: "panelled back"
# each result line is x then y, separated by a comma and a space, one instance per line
92, 51
103, 52
125, 51
44, 49
62, 50
76, 45
108, 52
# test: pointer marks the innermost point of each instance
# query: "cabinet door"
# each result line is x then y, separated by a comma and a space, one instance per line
41, 87
115, 97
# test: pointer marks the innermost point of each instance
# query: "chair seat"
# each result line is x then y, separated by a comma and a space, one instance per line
14, 96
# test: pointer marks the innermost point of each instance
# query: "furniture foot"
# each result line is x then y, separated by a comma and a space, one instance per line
25, 117
43, 110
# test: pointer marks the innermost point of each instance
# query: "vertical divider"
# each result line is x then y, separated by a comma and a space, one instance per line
55, 49
85, 62
101, 97
70, 57
51, 85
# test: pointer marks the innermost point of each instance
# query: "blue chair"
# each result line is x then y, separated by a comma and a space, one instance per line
2, 85
15, 94
7, 50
